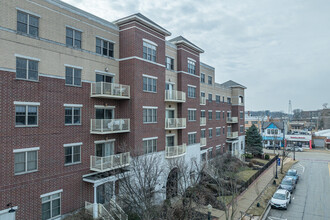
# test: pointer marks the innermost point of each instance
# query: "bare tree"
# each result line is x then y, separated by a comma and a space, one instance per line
227, 183
140, 186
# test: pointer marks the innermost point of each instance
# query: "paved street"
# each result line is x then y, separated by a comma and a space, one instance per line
311, 198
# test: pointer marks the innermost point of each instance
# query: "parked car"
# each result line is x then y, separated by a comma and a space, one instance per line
292, 148
288, 183
293, 174
271, 147
281, 199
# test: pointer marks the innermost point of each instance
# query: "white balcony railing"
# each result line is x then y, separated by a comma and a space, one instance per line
175, 96
102, 164
203, 121
175, 151
231, 120
175, 123
203, 142
110, 90
109, 126
232, 134
202, 100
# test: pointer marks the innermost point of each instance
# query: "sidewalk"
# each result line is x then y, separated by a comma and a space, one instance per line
247, 197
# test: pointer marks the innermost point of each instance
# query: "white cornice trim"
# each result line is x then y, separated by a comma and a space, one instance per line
139, 58
148, 76
27, 57
51, 193
25, 149
73, 105
73, 144
188, 73
150, 42
125, 29
149, 138
26, 103
28, 12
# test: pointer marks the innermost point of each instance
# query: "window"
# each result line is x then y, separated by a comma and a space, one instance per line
223, 114
202, 78
191, 114
26, 69
210, 132
103, 78
150, 146
202, 113
218, 131
203, 94
26, 115
210, 115
217, 115
169, 63
26, 160
73, 38
223, 130
240, 100
241, 129
203, 133
228, 100
104, 47
72, 76
149, 115
27, 24
241, 115
72, 154
191, 92
51, 206
223, 99
149, 51
210, 97
149, 84
217, 98
72, 115
191, 138
191, 67
209, 80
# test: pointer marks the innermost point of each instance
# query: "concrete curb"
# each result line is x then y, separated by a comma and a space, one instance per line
264, 215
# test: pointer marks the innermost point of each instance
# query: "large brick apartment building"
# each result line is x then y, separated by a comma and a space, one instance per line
78, 94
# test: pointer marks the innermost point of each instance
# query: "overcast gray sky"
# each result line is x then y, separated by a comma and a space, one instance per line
279, 49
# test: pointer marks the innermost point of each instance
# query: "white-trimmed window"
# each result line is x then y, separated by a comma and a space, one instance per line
203, 133
210, 115
228, 100
218, 131
169, 63
209, 80
191, 114
73, 115
73, 37
223, 130
241, 115
191, 66
203, 114
149, 145
202, 78
27, 23
51, 205
26, 160
191, 92
203, 94
217, 98
149, 51
210, 97
217, 115
149, 84
26, 114
210, 132
27, 69
72, 153
241, 128
149, 115
72, 76
191, 138
104, 47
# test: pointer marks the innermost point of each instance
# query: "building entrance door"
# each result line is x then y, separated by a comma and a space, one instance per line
105, 193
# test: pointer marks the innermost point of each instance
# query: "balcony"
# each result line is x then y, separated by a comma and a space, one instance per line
232, 135
203, 142
175, 151
110, 90
232, 120
175, 96
102, 164
203, 121
109, 126
202, 101
175, 123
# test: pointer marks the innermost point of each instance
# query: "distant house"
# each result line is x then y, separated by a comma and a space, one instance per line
272, 133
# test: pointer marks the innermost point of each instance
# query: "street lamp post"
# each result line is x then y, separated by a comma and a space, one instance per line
276, 167
294, 152
209, 208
